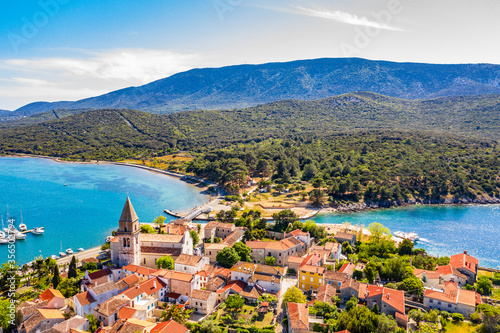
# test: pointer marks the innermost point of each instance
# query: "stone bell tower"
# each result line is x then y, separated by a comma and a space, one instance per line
129, 236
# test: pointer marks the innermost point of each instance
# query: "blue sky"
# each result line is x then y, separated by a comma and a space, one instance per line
70, 49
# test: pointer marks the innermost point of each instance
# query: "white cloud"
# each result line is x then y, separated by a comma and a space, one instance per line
64, 78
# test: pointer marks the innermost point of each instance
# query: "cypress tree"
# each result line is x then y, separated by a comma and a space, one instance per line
56, 278
72, 268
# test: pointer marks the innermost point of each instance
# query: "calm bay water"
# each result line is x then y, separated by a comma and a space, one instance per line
85, 211
444, 230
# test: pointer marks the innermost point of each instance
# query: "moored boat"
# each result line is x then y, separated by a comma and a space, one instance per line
62, 254
22, 226
20, 235
69, 251
80, 249
38, 231
54, 257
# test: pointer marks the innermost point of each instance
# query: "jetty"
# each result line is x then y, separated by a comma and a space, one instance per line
192, 214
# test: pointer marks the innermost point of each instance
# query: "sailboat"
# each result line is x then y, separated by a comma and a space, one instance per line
62, 254
22, 226
3, 236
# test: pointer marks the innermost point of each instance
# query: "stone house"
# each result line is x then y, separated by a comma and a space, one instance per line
465, 264
190, 264
452, 299
202, 301
41, 320
53, 297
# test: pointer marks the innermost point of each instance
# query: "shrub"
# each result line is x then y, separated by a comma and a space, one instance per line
475, 318
457, 317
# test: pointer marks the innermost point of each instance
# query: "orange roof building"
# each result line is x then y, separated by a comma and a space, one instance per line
452, 299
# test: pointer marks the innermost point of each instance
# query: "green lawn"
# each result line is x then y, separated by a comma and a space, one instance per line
463, 327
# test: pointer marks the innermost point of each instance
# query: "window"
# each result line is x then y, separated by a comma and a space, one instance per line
439, 302
320, 281
144, 261
280, 254
303, 286
329, 282
449, 305
303, 277
312, 279
431, 301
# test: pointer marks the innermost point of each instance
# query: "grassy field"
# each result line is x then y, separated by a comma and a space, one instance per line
463, 327
484, 273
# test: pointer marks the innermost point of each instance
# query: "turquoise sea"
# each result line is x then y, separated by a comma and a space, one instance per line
85, 211
443, 230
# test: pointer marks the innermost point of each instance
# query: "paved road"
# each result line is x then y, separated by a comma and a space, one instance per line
287, 283
92, 252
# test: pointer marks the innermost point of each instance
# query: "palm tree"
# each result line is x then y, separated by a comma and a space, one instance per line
175, 312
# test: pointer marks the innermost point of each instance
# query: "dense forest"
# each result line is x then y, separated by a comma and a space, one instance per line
352, 147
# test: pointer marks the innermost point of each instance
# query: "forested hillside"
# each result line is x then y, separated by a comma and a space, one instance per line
352, 147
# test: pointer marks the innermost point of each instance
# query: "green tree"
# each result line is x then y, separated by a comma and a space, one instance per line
56, 278
195, 237
175, 312
89, 266
317, 197
209, 326
4, 313
378, 231
405, 247
270, 260
234, 303
484, 285
413, 285
8, 276
93, 323
160, 221
416, 315
490, 316
72, 273
457, 317
244, 252
294, 295
370, 272
165, 262
147, 229
69, 287
227, 257
283, 218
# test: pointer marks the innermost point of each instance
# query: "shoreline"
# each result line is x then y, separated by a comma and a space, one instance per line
311, 211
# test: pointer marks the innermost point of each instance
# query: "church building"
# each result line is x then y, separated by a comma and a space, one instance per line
132, 247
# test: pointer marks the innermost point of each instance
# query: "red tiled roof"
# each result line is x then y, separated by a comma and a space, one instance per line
99, 274
85, 298
126, 313
189, 260
452, 294
312, 269
298, 315
347, 268
297, 232
449, 270
235, 285
49, 294
149, 287
170, 326
139, 269
463, 260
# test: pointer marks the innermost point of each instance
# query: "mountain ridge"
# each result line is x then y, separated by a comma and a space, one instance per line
240, 86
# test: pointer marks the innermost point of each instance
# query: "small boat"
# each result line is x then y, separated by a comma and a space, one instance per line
65, 184
38, 231
80, 249
2, 234
22, 226
20, 235
62, 254
69, 251
54, 257
4, 240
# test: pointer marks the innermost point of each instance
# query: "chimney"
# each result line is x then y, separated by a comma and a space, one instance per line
154, 284
465, 252
388, 295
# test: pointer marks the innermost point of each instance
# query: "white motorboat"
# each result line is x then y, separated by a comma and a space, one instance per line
54, 257
2, 234
80, 249
62, 254
38, 231
4, 240
407, 235
22, 226
20, 235
69, 251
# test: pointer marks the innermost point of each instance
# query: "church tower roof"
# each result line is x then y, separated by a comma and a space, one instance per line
128, 213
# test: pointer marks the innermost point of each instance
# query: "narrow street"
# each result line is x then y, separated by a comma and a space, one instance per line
287, 283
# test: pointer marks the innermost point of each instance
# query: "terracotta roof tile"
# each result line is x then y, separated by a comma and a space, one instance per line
85, 298
161, 238
49, 294
111, 306
298, 315
204, 295
140, 269
189, 260
170, 326
126, 312
464, 260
